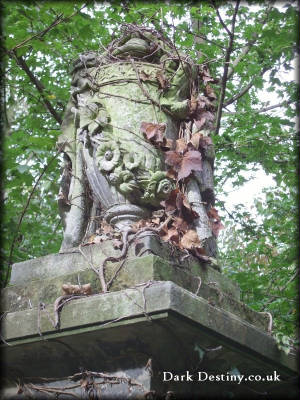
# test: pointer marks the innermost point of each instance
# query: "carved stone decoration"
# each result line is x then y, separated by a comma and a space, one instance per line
111, 168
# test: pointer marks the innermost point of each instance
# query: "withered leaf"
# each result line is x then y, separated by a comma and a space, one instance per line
181, 145
213, 213
144, 76
200, 141
170, 203
153, 132
180, 224
185, 163
210, 93
106, 228
162, 80
205, 74
216, 224
193, 104
191, 161
174, 159
202, 117
158, 213
167, 144
172, 234
216, 227
141, 224
171, 173
70, 289
156, 220
190, 239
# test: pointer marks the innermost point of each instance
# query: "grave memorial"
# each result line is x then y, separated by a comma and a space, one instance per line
135, 305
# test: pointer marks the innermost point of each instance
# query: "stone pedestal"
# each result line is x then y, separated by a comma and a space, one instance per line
169, 328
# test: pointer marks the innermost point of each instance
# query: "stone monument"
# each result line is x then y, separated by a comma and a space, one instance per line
134, 305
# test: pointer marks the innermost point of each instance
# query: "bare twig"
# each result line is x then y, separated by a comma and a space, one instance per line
226, 66
221, 19
199, 285
284, 103
59, 19
245, 50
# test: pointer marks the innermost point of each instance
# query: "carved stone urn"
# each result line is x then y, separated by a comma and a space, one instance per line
112, 169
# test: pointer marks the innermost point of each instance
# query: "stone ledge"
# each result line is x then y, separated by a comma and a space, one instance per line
71, 261
135, 271
99, 312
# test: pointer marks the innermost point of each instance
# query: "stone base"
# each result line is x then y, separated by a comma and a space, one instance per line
41, 280
165, 313
118, 333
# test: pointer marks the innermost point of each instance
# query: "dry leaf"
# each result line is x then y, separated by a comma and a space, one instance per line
190, 239
213, 213
144, 76
181, 146
210, 93
154, 132
185, 163
200, 141
171, 174
117, 244
70, 289
171, 235
162, 80
216, 227
180, 224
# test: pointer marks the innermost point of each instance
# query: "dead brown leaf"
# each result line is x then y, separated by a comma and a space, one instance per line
154, 132
216, 227
190, 240
184, 163
162, 80
144, 76
172, 234
210, 93
70, 289
200, 141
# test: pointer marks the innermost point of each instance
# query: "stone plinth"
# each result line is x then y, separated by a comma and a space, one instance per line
184, 316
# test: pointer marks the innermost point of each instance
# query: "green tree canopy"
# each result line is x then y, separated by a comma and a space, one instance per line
250, 48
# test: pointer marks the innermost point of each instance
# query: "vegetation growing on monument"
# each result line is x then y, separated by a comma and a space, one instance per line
249, 54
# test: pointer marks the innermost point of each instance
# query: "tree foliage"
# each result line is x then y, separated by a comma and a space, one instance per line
249, 47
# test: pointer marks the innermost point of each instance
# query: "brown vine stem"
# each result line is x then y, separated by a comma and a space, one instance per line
58, 306
146, 93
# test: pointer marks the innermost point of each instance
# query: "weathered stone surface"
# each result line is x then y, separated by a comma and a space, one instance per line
135, 271
106, 152
115, 331
71, 261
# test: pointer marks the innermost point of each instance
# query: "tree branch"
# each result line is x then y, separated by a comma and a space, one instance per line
42, 33
264, 109
245, 50
226, 66
284, 103
221, 20
245, 89
36, 82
